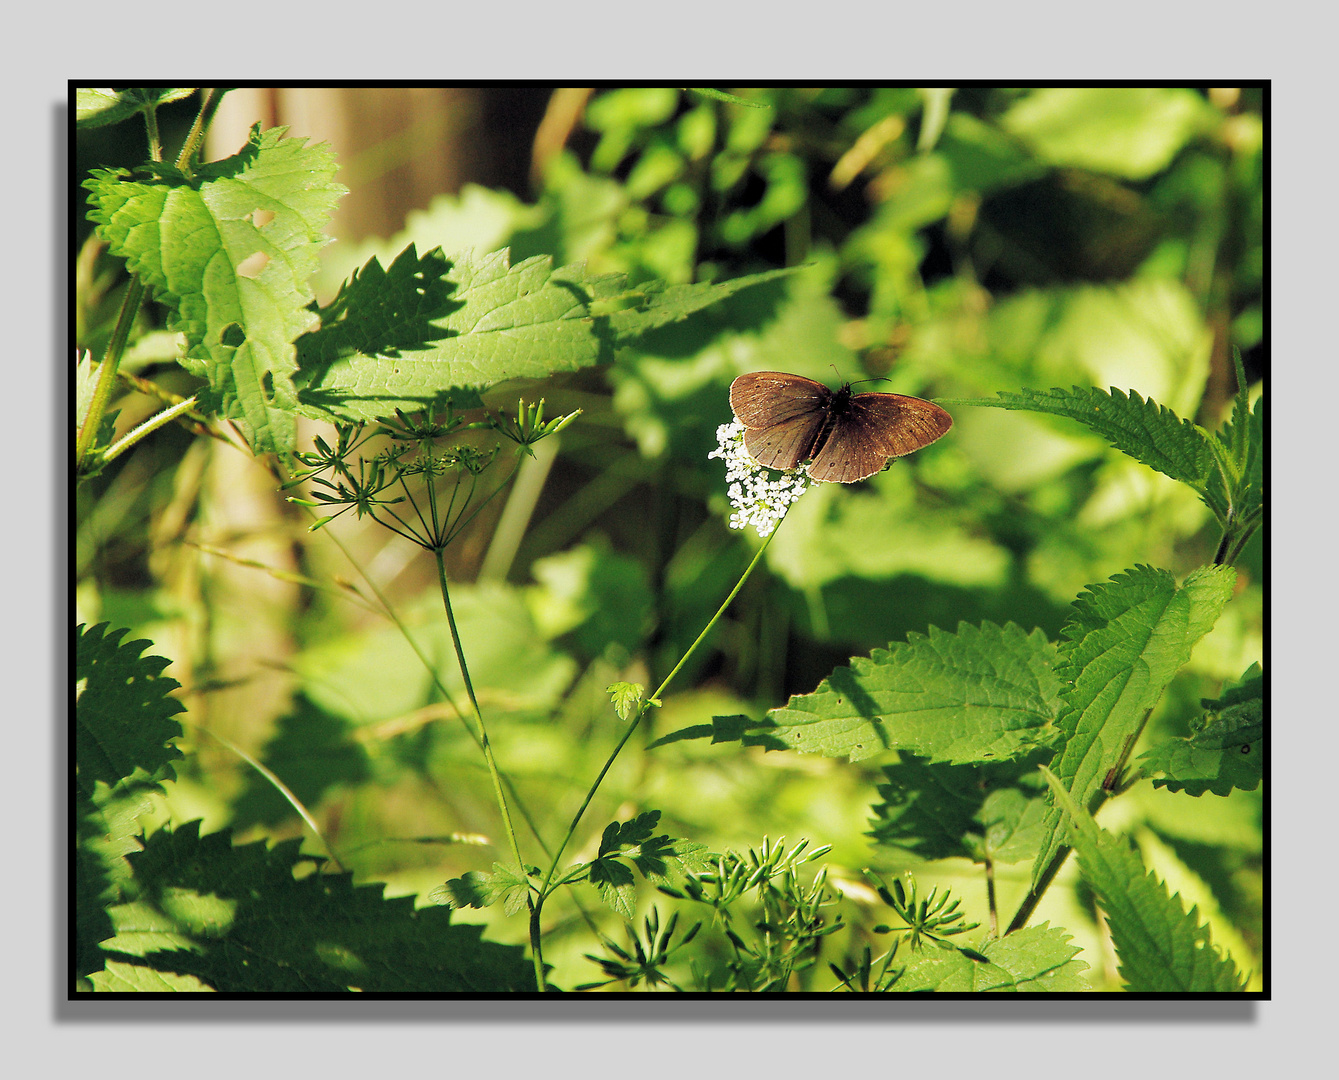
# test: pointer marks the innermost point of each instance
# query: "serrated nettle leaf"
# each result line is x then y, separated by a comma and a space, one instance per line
123, 711
1225, 749
975, 811
633, 312
1125, 641
1250, 494
1236, 432
1141, 428
1036, 959
1250, 688
432, 328
1161, 947
1187, 766
243, 920
980, 694
230, 251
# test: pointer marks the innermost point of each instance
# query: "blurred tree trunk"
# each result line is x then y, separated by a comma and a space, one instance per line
398, 147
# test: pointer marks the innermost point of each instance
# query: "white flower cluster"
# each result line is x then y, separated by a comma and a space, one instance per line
758, 500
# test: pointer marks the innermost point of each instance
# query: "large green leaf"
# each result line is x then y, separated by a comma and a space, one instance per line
123, 712
1145, 430
1037, 959
230, 250
1126, 640
1162, 948
239, 920
1225, 749
432, 328
983, 694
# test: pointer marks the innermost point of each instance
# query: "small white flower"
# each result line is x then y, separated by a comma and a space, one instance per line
758, 500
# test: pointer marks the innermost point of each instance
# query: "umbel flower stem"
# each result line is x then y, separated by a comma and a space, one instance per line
484, 742
537, 904
433, 521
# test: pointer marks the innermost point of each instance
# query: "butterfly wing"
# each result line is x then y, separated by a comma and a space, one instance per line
783, 416
872, 428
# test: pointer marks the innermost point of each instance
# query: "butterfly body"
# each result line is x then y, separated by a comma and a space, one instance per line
789, 420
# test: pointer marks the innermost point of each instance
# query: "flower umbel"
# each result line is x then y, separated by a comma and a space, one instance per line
758, 500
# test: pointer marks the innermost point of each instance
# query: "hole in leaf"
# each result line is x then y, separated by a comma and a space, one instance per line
260, 218
233, 336
253, 264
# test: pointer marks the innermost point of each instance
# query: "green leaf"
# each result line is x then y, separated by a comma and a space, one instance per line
721, 95
230, 251
1144, 430
92, 923
978, 812
1125, 641
619, 834
123, 710
616, 886
652, 856
239, 920
626, 697
1161, 947
85, 383
110, 827
981, 694
433, 328
653, 304
1225, 751
1239, 481
1036, 959
123, 978
600, 599
479, 890
98, 106
1130, 132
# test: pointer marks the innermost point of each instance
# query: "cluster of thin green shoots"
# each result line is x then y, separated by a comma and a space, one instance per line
773, 925
435, 486
929, 920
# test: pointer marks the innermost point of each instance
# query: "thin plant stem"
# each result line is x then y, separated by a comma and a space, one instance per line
195, 137
485, 744
538, 905
990, 896
116, 348
150, 425
282, 788
1033, 898
389, 610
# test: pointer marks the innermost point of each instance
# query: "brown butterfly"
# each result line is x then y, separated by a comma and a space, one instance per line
845, 437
